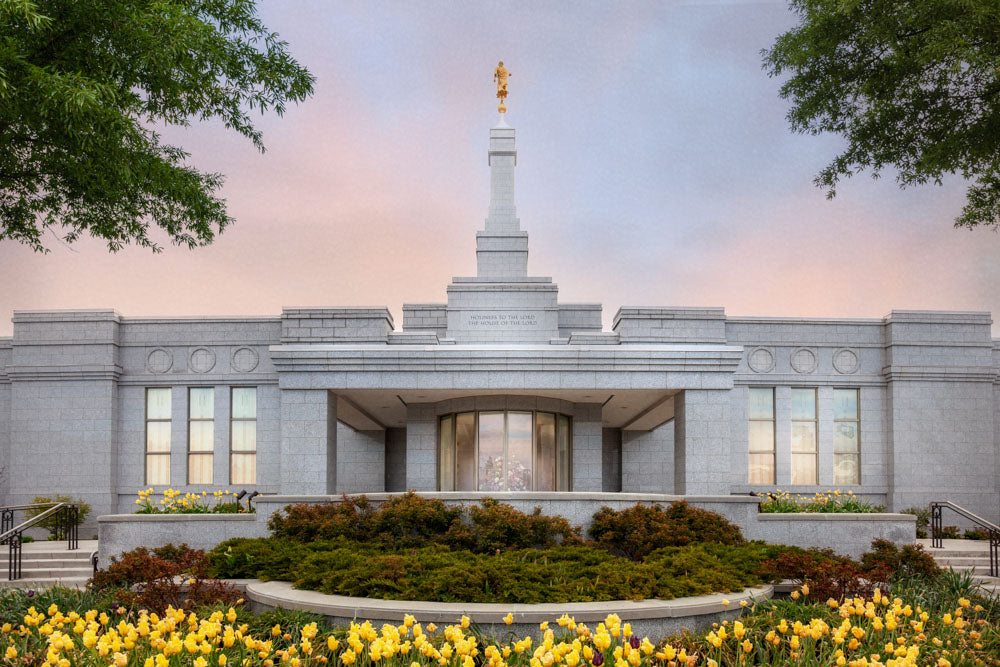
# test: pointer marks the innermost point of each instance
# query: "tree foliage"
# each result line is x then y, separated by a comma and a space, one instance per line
83, 84
910, 84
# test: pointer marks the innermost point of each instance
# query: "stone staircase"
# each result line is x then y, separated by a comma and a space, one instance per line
44, 564
968, 555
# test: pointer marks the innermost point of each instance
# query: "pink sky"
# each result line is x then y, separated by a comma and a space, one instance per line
655, 167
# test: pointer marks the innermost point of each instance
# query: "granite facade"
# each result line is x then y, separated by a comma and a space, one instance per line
345, 403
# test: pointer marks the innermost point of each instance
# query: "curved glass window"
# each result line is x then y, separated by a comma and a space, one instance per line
504, 451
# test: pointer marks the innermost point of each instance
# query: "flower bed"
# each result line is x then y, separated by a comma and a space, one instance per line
827, 502
937, 621
225, 502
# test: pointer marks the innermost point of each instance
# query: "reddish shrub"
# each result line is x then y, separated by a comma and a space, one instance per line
827, 574
886, 561
163, 577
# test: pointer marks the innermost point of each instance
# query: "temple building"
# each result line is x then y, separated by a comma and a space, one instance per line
501, 387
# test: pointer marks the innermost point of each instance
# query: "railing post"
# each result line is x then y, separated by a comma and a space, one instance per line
994, 553
6, 520
14, 557
72, 534
936, 537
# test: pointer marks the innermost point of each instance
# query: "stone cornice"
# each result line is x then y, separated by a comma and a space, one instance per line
940, 373
198, 379
808, 380
592, 358
56, 373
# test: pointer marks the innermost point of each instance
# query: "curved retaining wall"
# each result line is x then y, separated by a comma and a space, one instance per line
650, 618
848, 534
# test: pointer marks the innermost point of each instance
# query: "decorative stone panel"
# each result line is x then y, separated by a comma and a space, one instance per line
159, 361
761, 360
245, 359
202, 360
845, 361
804, 360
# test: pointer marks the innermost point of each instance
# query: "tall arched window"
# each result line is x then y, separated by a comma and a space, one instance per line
504, 450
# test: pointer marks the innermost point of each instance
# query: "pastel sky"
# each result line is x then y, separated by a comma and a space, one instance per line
655, 167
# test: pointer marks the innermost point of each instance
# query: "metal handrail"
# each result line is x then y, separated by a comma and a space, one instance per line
66, 512
993, 530
26, 507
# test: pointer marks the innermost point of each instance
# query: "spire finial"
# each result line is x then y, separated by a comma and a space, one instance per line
500, 75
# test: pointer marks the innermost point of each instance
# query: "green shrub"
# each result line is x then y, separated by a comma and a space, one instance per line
498, 526
976, 534
637, 531
52, 523
436, 573
923, 515
411, 521
263, 558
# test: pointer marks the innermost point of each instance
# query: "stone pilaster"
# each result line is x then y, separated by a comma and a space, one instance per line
308, 441
421, 448
702, 446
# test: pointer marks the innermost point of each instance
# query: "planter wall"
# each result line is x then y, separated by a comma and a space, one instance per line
118, 533
847, 534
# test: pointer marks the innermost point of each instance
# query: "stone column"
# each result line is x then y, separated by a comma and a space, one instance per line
421, 448
308, 441
587, 448
702, 446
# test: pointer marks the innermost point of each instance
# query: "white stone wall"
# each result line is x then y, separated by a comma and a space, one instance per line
63, 441
648, 460
426, 317
943, 446
360, 460
336, 325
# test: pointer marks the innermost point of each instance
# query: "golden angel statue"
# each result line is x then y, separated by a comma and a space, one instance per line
500, 75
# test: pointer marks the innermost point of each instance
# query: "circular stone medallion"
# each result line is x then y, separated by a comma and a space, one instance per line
159, 361
803, 360
245, 360
761, 360
846, 361
202, 360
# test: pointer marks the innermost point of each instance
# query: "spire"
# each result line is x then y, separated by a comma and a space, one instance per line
502, 248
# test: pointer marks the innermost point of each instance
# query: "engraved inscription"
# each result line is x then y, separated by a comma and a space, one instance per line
502, 320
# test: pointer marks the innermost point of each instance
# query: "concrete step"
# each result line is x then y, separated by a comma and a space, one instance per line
55, 572
967, 561
37, 584
960, 553
49, 562
52, 553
